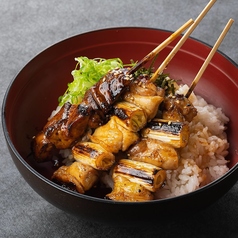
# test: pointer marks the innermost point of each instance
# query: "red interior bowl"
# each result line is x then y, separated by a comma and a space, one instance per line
34, 92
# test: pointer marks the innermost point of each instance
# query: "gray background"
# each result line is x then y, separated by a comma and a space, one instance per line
27, 28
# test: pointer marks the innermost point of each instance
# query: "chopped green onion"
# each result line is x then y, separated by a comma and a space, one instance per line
86, 73
89, 71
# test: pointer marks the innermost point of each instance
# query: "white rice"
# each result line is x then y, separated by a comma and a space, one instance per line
203, 159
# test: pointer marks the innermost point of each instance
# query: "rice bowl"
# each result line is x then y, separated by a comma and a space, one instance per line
36, 84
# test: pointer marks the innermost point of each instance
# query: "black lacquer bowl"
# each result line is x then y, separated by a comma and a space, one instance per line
34, 92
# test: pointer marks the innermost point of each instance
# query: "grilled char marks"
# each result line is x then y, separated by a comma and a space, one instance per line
171, 127
97, 117
85, 150
138, 173
121, 113
110, 88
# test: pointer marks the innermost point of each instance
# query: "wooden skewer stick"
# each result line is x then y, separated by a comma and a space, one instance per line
160, 47
182, 41
208, 59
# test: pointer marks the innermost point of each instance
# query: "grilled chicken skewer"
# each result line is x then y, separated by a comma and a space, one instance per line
158, 147
119, 133
70, 123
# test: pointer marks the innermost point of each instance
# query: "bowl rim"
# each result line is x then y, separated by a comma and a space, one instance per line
85, 196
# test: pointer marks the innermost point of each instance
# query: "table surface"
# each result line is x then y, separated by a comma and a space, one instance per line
27, 28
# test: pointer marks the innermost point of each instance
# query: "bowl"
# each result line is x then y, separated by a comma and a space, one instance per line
34, 92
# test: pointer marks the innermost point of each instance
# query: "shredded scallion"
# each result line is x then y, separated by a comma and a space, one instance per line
86, 73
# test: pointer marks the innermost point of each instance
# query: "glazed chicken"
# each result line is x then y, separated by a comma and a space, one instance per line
122, 114
70, 123
154, 152
178, 108
79, 175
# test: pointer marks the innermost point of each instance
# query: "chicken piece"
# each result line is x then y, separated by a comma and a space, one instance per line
178, 108
126, 191
94, 155
110, 88
61, 131
114, 137
130, 116
146, 96
42, 147
82, 176
154, 152
68, 125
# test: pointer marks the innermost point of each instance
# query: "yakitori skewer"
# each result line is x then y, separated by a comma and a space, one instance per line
208, 59
71, 121
160, 47
182, 40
